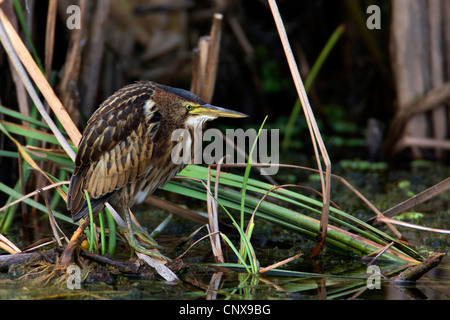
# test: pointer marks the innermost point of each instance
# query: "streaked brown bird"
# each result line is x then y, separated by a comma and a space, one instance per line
125, 151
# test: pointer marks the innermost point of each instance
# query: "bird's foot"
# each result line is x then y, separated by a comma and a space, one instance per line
141, 241
148, 250
144, 237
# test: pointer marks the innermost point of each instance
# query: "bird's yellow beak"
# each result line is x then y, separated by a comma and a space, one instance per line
213, 111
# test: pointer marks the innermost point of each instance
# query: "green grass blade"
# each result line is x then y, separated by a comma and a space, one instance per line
112, 232
29, 132
17, 195
21, 117
101, 220
91, 223
236, 252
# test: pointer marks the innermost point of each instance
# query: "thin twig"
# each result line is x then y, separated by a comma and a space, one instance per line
379, 253
279, 263
29, 195
411, 225
198, 240
53, 224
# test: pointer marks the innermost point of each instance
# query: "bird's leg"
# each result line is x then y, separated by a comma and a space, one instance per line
143, 235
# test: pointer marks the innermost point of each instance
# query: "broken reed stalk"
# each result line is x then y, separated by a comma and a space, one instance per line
312, 126
205, 61
195, 80
213, 57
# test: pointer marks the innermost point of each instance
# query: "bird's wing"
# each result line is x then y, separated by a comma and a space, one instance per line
116, 147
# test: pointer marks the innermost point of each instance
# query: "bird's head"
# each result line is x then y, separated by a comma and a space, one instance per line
185, 109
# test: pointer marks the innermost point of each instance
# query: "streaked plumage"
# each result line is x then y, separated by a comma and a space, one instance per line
125, 150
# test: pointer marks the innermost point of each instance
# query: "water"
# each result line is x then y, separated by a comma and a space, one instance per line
234, 285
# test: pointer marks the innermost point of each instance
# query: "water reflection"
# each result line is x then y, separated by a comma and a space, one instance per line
236, 285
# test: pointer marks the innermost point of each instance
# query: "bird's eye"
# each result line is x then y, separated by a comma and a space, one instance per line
189, 107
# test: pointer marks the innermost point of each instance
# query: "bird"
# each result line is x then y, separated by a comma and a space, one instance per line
125, 150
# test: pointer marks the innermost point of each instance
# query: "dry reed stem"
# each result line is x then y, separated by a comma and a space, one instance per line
378, 253
7, 245
50, 37
205, 61
279, 263
40, 80
313, 128
93, 62
67, 88
7, 248
199, 74
173, 208
162, 270
195, 82
411, 225
213, 214
212, 62
209, 234
422, 142
53, 224
240, 35
418, 198
204, 73
21, 92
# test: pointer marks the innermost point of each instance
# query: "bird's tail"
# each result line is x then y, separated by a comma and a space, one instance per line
96, 205
77, 203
